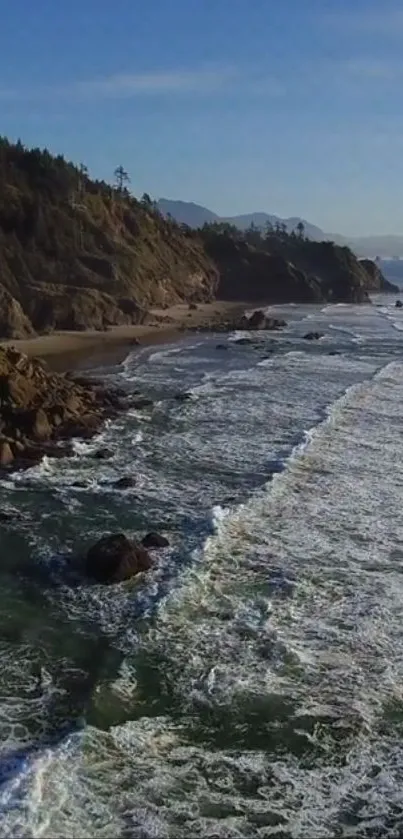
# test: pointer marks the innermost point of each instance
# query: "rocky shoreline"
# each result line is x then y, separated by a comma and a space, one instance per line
41, 411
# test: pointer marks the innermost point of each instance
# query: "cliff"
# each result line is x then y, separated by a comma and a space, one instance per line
284, 267
376, 282
77, 254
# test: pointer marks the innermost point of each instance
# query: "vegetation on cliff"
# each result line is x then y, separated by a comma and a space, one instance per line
280, 266
77, 253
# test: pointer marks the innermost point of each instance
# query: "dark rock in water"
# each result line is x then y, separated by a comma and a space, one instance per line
398, 304
115, 558
243, 341
142, 403
312, 336
258, 320
221, 347
182, 397
124, 483
192, 306
335, 352
155, 540
102, 454
134, 342
79, 484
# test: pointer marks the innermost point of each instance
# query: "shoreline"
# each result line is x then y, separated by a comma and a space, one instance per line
64, 351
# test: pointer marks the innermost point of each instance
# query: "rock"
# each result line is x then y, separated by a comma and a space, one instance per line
37, 425
134, 342
102, 454
114, 559
221, 347
73, 405
124, 483
155, 540
192, 306
6, 454
257, 320
182, 397
312, 336
398, 304
243, 341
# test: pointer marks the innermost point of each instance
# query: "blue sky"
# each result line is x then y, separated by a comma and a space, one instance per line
292, 107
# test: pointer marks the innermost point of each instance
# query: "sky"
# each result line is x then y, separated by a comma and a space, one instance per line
293, 108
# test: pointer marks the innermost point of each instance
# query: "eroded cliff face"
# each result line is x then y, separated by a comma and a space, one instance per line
291, 270
76, 254
376, 281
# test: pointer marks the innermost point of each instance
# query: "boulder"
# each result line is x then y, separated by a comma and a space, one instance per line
312, 336
124, 483
6, 454
243, 341
115, 558
35, 424
155, 540
102, 454
221, 347
192, 306
398, 304
182, 397
257, 320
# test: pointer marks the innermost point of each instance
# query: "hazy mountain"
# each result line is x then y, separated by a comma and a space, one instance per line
186, 212
366, 246
372, 246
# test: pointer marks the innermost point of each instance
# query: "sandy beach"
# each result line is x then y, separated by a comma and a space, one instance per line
67, 350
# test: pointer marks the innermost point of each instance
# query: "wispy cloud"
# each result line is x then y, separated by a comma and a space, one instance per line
205, 80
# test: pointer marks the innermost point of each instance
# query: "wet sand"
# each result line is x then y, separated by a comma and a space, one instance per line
71, 350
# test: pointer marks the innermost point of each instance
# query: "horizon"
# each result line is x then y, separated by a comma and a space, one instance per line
292, 109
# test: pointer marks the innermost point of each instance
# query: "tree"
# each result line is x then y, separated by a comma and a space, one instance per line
122, 178
146, 201
301, 229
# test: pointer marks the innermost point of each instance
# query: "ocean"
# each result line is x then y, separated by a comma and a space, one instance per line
251, 685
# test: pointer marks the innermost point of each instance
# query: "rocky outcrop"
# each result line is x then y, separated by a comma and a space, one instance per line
284, 268
376, 281
41, 410
155, 540
115, 558
259, 320
312, 336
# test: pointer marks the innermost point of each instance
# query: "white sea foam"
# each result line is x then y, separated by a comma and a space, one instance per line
278, 646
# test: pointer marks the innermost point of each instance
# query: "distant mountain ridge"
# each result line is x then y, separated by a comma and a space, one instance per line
195, 215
